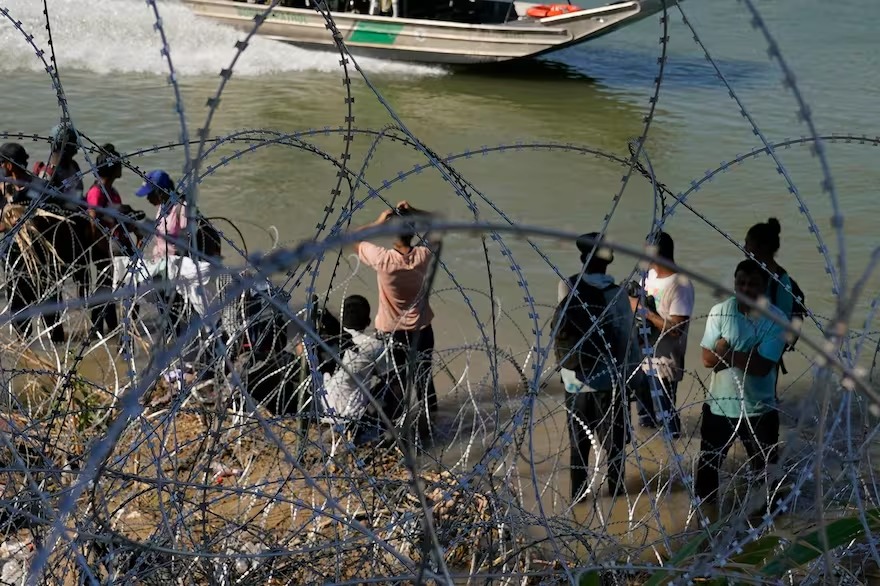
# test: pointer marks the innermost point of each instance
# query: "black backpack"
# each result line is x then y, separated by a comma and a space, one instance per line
798, 306
208, 239
330, 330
577, 346
265, 326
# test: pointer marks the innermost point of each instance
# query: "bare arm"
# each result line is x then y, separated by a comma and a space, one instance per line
383, 217
671, 327
750, 362
667, 326
93, 214
710, 358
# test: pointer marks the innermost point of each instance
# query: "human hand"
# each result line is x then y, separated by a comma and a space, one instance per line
722, 349
674, 331
384, 216
404, 205
634, 303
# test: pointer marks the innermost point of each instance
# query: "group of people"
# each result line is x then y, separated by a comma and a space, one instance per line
72, 230
613, 344
619, 344
393, 361
96, 228
365, 373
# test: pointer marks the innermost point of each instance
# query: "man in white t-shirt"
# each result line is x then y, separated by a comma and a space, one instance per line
670, 305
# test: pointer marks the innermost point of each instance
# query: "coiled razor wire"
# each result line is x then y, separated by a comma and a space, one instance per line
146, 455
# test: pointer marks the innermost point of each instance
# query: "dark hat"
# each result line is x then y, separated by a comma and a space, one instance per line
586, 242
14, 153
355, 313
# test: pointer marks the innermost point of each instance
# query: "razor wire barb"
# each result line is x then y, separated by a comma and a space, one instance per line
154, 457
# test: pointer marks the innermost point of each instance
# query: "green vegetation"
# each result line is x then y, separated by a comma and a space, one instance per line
767, 559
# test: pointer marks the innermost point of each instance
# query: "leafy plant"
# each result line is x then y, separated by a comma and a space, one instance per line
757, 560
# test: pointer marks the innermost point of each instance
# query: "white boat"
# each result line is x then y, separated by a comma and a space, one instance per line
433, 41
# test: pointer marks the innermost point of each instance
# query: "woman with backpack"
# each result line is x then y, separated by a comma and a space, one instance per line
762, 242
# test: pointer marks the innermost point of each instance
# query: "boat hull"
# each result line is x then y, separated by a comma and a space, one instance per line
426, 41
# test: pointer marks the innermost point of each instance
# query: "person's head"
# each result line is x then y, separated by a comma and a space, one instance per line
762, 240
665, 247
601, 258
65, 142
109, 163
356, 313
661, 246
13, 160
157, 187
406, 236
750, 279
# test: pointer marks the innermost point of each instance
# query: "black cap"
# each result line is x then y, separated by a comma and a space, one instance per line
14, 153
355, 313
587, 242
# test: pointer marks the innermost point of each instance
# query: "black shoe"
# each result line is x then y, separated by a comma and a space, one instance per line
647, 423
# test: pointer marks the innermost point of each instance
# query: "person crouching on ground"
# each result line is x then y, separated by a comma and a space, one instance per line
363, 367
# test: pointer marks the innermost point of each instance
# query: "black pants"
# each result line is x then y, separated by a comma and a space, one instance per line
648, 415
603, 414
272, 379
420, 377
390, 396
23, 290
759, 435
171, 310
105, 313
82, 276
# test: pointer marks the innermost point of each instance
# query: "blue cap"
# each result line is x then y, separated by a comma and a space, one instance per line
157, 179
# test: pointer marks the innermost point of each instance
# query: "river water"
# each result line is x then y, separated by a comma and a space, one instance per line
595, 96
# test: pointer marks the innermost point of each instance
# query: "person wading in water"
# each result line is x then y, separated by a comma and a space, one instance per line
404, 313
27, 279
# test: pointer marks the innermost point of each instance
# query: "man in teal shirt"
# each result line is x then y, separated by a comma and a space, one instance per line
742, 347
